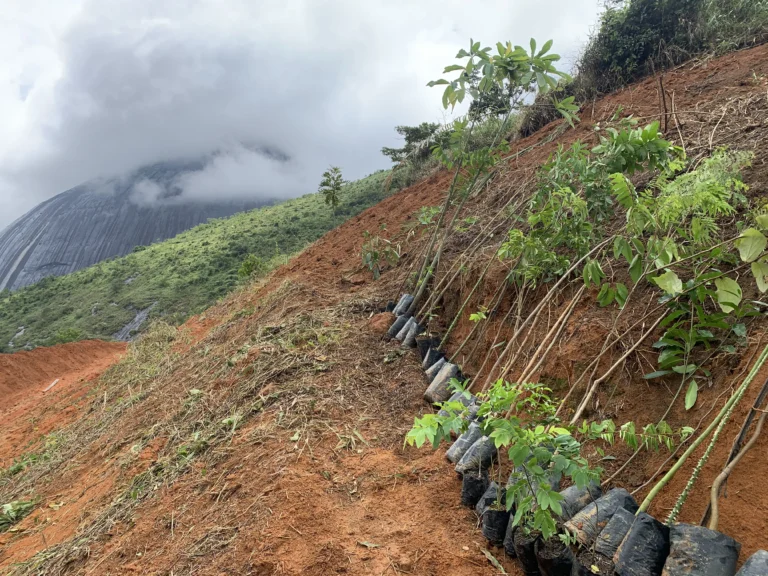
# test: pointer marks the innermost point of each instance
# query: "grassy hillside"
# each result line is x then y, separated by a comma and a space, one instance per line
180, 276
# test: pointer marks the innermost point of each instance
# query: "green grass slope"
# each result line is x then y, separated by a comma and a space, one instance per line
180, 277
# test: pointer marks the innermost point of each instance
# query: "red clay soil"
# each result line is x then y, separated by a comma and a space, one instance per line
316, 481
22, 370
27, 412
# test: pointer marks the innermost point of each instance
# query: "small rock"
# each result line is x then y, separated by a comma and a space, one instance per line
404, 563
380, 323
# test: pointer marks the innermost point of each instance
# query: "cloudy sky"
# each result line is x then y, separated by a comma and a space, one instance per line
98, 88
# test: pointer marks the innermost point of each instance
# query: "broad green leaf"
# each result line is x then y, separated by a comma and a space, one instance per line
669, 282
751, 244
760, 271
762, 221
669, 357
740, 330
606, 295
446, 95
687, 369
541, 81
622, 248
636, 268
621, 294
664, 342
691, 395
519, 453
728, 294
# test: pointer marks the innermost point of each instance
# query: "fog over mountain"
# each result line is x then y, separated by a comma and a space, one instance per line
101, 88
106, 218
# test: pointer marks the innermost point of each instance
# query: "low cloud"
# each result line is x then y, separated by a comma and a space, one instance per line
233, 173
147, 192
265, 94
241, 172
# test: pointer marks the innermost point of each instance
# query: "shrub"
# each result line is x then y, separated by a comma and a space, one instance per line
377, 252
68, 335
251, 266
640, 36
636, 37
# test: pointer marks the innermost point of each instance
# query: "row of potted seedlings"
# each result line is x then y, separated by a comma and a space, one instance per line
601, 533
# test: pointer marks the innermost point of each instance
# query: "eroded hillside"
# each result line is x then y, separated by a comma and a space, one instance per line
265, 436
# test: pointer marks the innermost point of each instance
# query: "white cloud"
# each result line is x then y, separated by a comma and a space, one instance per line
101, 87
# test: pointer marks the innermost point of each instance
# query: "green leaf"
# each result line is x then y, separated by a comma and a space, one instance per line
621, 294
669, 357
519, 453
760, 271
657, 374
623, 190
691, 395
728, 294
545, 48
541, 81
606, 295
740, 330
593, 273
762, 221
751, 244
672, 317
669, 282
687, 369
636, 268
622, 248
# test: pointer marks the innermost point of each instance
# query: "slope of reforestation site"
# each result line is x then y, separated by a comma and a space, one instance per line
543, 351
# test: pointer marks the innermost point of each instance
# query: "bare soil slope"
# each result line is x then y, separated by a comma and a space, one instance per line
28, 373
